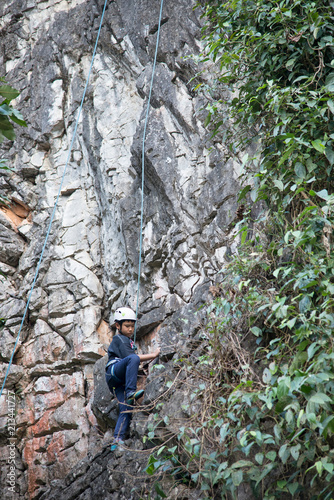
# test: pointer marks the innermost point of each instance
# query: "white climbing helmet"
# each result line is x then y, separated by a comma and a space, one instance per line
123, 314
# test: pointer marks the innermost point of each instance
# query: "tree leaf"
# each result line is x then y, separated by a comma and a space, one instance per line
329, 155
294, 450
244, 236
271, 455
320, 398
293, 488
319, 467
304, 304
330, 82
300, 170
207, 120
327, 424
318, 145
290, 64
267, 469
279, 184
5, 123
8, 92
266, 377
5, 110
291, 323
9, 134
282, 390
18, 118
322, 194
257, 331
237, 477
284, 453
330, 104
328, 467
242, 463
312, 349
254, 194
243, 192
159, 490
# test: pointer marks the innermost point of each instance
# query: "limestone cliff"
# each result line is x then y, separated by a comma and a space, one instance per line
91, 262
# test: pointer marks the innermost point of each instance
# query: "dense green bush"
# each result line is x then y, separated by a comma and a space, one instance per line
271, 424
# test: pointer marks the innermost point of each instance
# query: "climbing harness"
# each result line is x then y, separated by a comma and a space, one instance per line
58, 195
115, 376
111, 362
143, 168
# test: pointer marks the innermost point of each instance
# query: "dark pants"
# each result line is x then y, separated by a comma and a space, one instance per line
123, 384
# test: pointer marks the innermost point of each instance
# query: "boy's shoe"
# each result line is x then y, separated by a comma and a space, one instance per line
117, 444
132, 397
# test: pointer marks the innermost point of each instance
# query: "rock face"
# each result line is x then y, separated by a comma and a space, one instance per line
90, 265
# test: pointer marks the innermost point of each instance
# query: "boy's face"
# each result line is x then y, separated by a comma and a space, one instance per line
127, 328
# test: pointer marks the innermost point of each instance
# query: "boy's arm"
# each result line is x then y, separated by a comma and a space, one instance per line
152, 355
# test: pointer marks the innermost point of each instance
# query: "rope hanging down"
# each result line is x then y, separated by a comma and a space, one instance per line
56, 203
143, 168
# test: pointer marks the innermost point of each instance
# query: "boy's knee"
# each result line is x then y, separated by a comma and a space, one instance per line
136, 358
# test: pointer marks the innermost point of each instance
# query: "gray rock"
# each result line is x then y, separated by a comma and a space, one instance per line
7, 342
90, 262
61, 303
104, 406
13, 309
11, 246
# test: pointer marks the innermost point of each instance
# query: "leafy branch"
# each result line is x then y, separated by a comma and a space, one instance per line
8, 113
267, 418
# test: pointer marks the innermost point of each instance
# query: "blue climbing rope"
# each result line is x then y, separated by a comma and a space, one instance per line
143, 168
56, 203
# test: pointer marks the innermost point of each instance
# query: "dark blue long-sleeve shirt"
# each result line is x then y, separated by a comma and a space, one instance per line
120, 347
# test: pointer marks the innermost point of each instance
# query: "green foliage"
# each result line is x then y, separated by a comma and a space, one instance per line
8, 113
271, 423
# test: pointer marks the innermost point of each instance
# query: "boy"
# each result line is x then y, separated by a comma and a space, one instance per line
122, 369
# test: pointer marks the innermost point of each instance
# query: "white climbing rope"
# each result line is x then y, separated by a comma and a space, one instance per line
143, 168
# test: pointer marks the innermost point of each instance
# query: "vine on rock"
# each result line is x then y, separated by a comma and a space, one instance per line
264, 375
